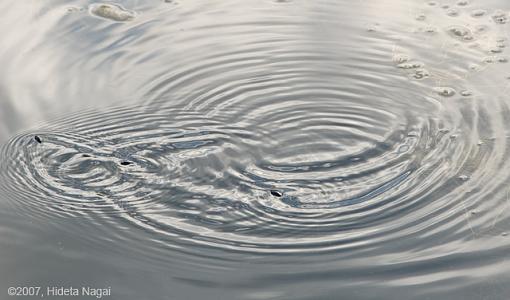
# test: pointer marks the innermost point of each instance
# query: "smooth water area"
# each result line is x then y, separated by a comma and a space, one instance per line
266, 149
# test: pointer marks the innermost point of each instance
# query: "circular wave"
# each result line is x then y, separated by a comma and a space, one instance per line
291, 140
290, 175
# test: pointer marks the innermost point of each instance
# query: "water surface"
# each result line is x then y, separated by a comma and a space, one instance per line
256, 150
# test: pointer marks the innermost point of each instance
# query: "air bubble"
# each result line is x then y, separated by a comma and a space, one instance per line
452, 12
73, 9
500, 17
445, 91
421, 73
502, 59
464, 177
488, 59
411, 65
372, 27
461, 33
466, 93
478, 13
430, 30
421, 17
112, 12
474, 67
401, 58
481, 28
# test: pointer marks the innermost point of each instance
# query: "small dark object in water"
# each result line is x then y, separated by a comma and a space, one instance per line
37, 139
126, 163
85, 155
276, 193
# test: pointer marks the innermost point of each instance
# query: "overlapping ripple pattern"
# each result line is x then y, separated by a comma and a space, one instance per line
349, 170
278, 136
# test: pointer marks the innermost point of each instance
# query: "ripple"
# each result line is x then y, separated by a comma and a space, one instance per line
293, 136
272, 146
283, 172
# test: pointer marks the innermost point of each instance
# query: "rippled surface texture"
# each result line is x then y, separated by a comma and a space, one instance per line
256, 150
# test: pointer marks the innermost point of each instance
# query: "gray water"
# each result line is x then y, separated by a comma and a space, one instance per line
256, 149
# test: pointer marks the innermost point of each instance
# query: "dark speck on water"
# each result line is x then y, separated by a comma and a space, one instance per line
85, 155
276, 193
37, 139
126, 163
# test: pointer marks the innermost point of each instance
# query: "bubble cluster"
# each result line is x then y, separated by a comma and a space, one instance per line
415, 69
